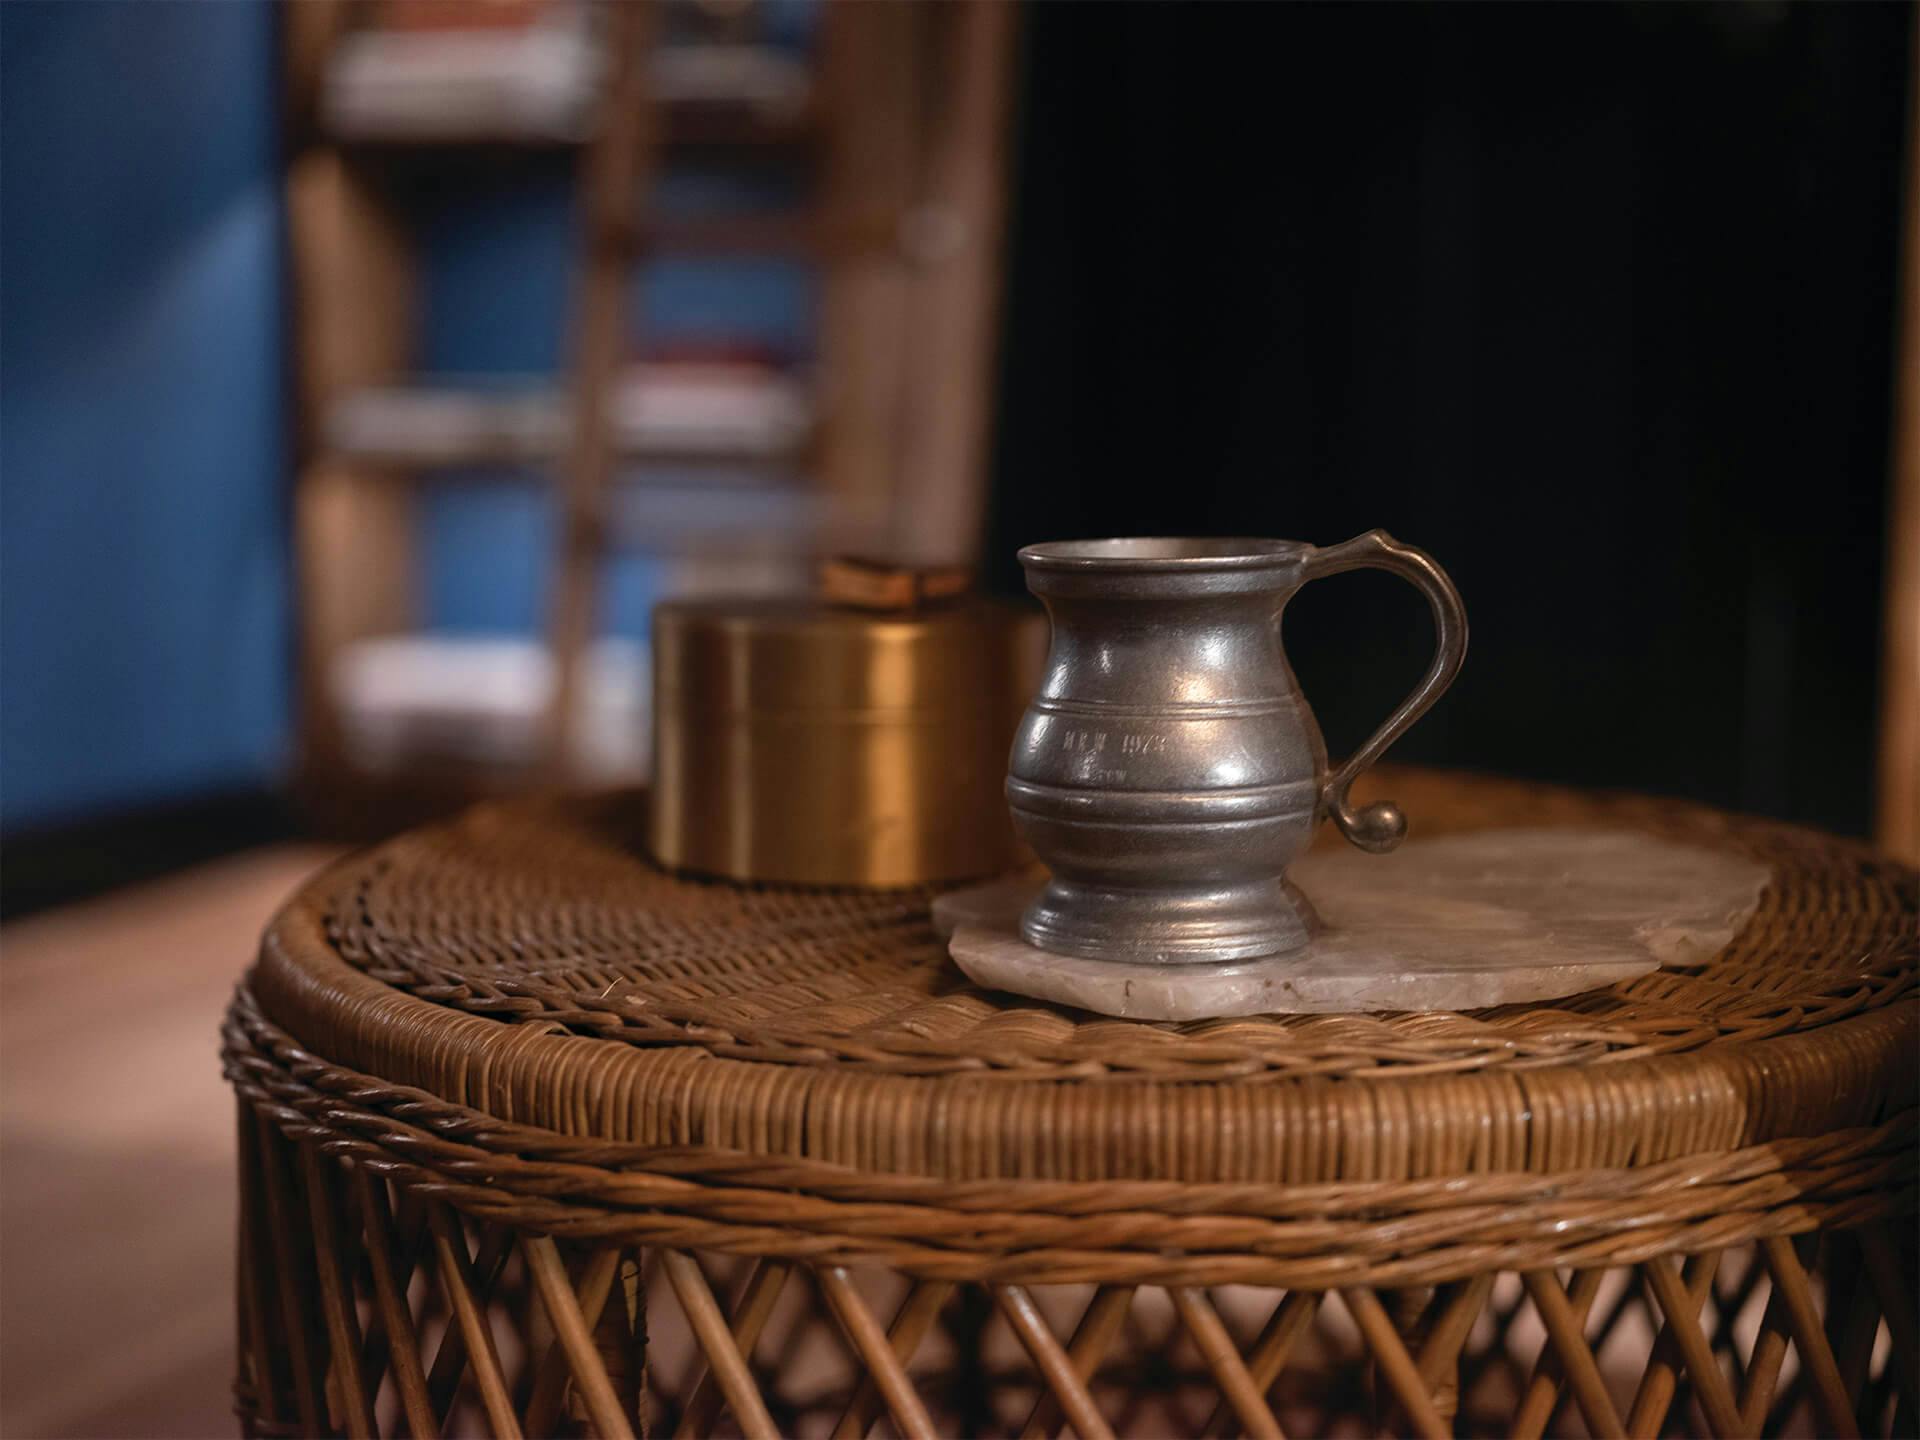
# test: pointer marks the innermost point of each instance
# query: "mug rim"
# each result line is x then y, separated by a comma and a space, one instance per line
1160, 552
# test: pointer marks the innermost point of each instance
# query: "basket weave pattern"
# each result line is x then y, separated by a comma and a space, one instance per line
509, 1054
551, 916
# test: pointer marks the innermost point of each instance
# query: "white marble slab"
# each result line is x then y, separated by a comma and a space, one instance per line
1460, 922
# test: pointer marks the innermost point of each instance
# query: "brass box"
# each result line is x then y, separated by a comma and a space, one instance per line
802, 743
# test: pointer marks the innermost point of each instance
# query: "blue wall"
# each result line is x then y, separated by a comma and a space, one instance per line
144, 625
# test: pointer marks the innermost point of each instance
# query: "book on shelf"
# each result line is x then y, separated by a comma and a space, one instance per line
697, 409
770, 82
717, 406
482, 702
526, 70
436, 71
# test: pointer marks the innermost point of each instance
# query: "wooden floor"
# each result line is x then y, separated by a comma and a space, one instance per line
116, 1153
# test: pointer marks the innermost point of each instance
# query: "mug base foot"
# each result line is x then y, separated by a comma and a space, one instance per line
1201, 926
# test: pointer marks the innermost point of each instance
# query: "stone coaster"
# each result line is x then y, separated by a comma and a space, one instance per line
1461, 922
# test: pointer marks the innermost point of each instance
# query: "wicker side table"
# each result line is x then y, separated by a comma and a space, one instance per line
535, 1138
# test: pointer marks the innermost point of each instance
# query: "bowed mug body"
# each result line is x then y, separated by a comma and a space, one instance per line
1169, 769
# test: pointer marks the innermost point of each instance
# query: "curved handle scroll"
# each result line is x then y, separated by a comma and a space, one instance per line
1380, 827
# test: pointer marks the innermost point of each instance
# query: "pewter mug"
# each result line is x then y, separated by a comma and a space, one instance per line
1169, 769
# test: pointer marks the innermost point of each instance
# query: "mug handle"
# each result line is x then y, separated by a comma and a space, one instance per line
1381, 826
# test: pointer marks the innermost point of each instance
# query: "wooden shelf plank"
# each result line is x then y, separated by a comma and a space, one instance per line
427, 426
539, 90
352, 533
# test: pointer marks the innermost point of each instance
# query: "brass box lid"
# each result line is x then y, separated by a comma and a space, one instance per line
744, 656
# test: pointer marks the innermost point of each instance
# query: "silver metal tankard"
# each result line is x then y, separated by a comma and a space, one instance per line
1169, 769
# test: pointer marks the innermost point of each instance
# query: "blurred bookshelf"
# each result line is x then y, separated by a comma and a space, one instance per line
771, 341
683, 412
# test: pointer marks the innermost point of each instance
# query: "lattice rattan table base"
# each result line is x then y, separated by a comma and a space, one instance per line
476, 1199
545, 1306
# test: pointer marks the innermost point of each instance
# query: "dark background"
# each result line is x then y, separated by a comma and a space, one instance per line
1595, 303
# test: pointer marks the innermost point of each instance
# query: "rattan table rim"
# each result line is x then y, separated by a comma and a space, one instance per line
1846, 1074
1386, 1232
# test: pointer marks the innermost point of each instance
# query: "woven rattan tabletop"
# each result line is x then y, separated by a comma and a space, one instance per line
510, 1037
526, 961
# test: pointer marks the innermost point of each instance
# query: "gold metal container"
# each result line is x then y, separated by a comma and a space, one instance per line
805, 743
